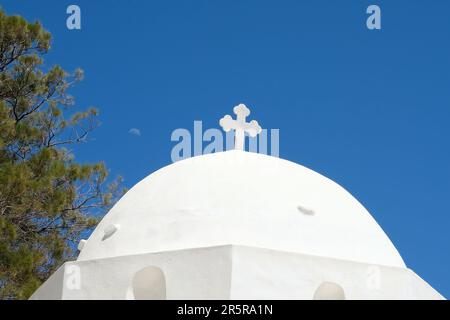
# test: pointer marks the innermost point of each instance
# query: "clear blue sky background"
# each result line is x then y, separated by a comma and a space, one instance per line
368, 109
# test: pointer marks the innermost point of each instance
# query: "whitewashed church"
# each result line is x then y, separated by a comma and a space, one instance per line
237, 225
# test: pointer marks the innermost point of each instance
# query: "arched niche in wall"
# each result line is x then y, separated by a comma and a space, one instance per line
149, 284
329, 291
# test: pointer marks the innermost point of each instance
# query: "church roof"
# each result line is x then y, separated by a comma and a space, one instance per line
241, 198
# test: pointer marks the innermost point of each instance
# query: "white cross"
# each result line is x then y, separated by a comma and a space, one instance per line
240, 126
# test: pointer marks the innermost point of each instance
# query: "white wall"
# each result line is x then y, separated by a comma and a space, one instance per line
229, 272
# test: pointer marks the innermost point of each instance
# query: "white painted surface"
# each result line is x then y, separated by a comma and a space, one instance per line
200, 274
53, 288
263, 274
245, 199
231, 272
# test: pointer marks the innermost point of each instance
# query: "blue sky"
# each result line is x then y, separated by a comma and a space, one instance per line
368, 109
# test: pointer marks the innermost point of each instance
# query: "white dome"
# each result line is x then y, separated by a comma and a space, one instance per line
241, 198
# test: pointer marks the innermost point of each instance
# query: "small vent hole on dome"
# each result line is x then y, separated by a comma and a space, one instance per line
306, 211
110, 231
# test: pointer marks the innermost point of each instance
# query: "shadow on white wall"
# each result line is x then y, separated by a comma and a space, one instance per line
148, 284
329, 291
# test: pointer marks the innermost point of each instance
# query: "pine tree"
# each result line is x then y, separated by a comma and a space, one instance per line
47, 199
